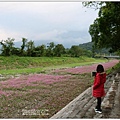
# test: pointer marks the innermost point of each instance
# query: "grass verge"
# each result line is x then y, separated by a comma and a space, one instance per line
26, 65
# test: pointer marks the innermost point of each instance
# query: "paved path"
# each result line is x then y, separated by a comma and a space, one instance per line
83, 105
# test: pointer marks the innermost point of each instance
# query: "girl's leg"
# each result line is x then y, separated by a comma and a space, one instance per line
98, 103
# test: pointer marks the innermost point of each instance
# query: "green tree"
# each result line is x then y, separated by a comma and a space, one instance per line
7, 46
39, 51
59, 50
87, 53
105, 31
24, 41
49, 51
76, 51
42, 50
30, 47
93, 51
16, 51
93, 4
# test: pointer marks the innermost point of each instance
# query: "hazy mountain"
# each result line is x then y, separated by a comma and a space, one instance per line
88, 46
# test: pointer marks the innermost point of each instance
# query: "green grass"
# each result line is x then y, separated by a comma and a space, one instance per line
27, 65
115, 68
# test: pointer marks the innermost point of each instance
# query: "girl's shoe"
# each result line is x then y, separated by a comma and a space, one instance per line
98, 111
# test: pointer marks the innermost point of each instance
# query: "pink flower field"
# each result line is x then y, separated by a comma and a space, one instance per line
36, 79
87, 69
44, 91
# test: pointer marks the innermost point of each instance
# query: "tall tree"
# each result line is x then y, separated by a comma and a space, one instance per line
50, 48
105, 31
30, 47
7, 46
24, 41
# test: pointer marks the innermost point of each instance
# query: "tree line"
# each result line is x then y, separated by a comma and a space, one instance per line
28, 48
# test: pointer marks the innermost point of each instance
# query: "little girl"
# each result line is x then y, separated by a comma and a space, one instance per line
98, 86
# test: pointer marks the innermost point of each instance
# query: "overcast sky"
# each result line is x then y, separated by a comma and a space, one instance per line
64, 23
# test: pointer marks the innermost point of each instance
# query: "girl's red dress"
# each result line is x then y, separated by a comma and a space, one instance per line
98, 87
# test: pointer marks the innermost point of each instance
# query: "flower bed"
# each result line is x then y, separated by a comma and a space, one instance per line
44, 92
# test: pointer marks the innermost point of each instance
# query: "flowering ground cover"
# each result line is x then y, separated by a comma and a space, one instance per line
42, 95
85, 69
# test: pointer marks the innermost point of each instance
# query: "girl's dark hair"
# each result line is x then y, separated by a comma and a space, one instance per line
100, 68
